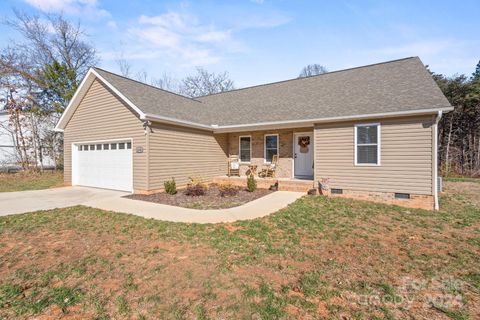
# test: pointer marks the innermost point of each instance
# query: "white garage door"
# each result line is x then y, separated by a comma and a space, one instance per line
103, 165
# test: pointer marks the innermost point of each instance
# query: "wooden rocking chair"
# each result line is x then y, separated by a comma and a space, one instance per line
271, 168
233, 166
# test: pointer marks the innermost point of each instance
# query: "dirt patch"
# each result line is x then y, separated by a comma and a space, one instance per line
211, 199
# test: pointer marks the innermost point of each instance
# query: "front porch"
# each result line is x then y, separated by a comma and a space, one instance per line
284, 184
295, 160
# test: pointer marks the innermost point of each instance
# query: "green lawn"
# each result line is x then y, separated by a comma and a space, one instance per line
318, 258
30, 181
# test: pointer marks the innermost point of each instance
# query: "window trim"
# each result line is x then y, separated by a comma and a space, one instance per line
378, 144
239, 149
265, 146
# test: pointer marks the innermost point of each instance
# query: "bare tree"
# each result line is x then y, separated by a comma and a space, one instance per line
166, 82
142, 76
44, 41
125, 67
204, 83
42, 68
312, 70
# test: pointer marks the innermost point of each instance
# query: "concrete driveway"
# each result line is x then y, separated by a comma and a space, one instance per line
27, 201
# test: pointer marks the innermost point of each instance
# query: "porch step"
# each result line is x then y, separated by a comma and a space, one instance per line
265, 183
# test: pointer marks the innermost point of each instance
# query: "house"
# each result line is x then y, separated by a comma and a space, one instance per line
371, 130
9, 159
7, 146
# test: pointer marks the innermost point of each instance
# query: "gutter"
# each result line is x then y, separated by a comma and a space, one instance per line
435, 159
174, 121
311, 122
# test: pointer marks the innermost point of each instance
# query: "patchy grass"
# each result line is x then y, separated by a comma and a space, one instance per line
30, 181
318, 258
461, 179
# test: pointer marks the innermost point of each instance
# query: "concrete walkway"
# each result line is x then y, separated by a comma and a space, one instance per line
27, 201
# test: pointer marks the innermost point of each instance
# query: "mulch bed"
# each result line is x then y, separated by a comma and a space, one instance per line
211, 199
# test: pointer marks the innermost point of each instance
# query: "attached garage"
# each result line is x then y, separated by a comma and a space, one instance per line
103, 164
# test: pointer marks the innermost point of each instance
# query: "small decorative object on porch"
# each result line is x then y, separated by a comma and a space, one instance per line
252, 170
274, 187
325, 186
312, 192
304, 142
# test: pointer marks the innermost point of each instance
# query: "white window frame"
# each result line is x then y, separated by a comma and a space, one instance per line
265, 146
378, 144
240, 147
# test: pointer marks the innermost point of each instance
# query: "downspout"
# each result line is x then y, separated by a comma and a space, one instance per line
146, 130
435, 159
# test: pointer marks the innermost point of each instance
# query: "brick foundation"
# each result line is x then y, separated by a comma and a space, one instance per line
283, 184
418, 201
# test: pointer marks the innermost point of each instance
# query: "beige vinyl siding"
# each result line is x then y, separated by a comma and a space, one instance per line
101, 115
405, 152
181, 153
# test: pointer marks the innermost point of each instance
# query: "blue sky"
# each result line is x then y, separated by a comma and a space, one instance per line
259, 41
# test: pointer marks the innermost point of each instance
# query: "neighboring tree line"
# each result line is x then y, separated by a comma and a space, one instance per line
459, 130
39, 73
200, 84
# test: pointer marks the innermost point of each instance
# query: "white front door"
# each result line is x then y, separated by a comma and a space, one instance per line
105, 165
303, 155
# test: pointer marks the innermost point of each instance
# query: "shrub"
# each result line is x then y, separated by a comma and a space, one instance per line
251, 183
170, 186
227, 190
195, 188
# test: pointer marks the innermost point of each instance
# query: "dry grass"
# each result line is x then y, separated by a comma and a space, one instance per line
330, 258
22, 181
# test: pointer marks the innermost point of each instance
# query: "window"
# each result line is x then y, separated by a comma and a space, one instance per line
106, 146
336, 191
85, 148
245, 146
113, 146
271, 146
129, 145
80, 148
99, 147
367, 144
92, 147
402, 195
121, 145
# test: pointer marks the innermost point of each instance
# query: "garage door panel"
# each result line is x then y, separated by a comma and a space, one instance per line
103, 168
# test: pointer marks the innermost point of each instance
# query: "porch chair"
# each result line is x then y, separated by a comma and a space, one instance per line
233, 166
270, 170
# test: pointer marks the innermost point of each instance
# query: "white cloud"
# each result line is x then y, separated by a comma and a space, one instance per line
213, 36
112, 24
74, 7
182, 37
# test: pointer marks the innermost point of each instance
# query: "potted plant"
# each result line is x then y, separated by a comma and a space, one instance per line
325, 186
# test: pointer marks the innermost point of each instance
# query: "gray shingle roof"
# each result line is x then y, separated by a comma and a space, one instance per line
152, 100
394, 86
